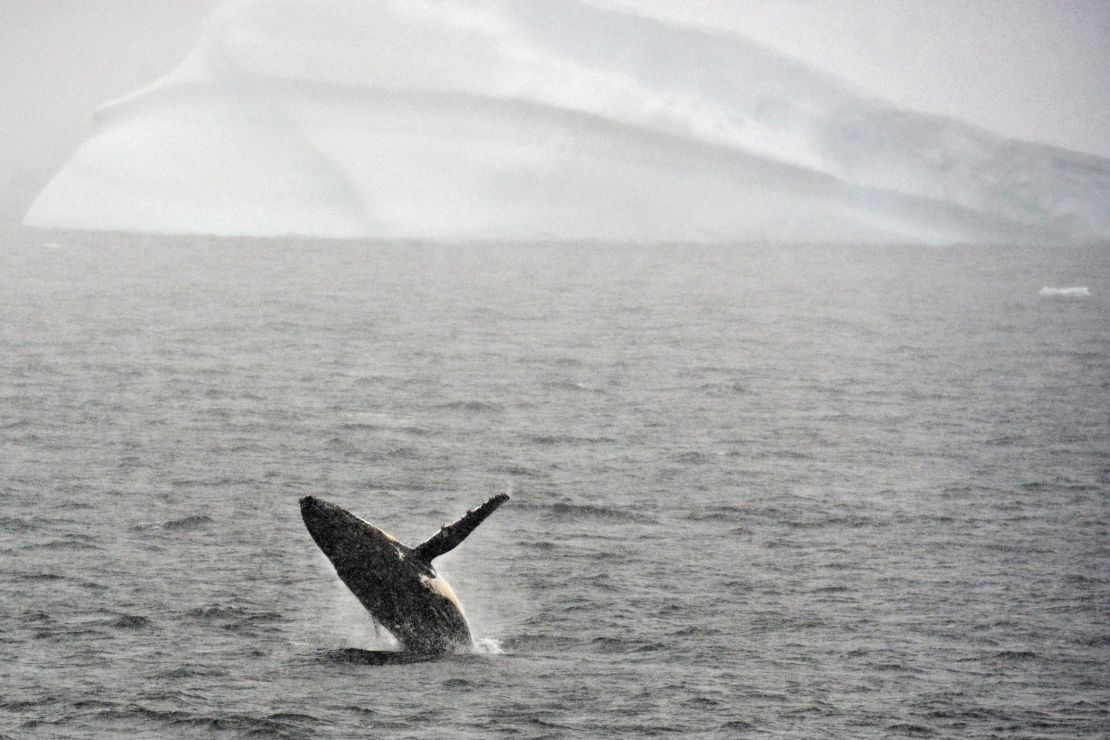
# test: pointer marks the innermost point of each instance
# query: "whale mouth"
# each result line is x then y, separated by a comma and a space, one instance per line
326, 522
317, 515
312, 506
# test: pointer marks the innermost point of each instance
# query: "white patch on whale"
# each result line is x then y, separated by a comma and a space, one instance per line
440, 586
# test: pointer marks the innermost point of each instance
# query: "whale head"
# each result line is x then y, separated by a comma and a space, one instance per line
349, 542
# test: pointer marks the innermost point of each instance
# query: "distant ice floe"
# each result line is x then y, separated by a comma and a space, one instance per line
532, 119
1078, 291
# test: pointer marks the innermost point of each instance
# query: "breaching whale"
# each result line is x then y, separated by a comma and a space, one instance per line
397, 584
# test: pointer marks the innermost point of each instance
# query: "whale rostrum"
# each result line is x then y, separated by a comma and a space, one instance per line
397, 584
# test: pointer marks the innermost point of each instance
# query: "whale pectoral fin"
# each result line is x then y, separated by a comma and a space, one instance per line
450, 536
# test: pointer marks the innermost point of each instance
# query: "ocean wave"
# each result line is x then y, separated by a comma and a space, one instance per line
221, 482
278, 724
607, 644
36, 617
724, 389
471, 407
358, 656
521, 471
693, 457
69, 542
363, 426
847, 522
1014, 655
538, 643
217, 611
130, 622
715, 513
572, 386
190, 671
455, 684
737, 726
404, 453
570, 440
36, 577
235, 617
73, 505
343, 445
567, 511
375, 380
193, 521
258, 620
370, 426
908, 729
1085, 580
65, 635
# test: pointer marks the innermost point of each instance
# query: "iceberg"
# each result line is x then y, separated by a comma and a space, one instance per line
535, 120
1078, 291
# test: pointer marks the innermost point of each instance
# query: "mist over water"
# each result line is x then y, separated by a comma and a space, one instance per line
795, 491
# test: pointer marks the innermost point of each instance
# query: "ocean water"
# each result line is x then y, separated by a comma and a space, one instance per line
757, 491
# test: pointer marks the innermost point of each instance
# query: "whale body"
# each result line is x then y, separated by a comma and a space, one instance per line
398, 584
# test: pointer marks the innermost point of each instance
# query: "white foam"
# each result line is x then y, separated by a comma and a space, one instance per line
486, 646
532, 119
1072, 291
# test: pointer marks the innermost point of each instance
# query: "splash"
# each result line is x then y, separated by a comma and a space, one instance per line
537, 120
486, 646
345, 622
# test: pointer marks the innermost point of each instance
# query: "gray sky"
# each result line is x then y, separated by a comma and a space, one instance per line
1032, 69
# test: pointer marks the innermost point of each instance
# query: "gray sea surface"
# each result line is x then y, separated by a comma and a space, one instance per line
757, 490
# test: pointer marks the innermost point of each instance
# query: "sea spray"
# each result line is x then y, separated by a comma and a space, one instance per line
346, 623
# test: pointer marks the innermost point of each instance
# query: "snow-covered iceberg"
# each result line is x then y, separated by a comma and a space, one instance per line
531, 119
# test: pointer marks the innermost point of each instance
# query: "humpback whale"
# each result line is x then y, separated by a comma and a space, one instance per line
397, 584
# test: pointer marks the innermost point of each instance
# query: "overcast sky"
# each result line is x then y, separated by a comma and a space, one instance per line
1031, 69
